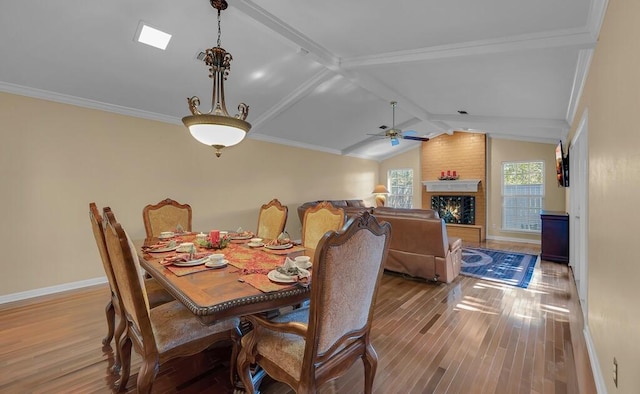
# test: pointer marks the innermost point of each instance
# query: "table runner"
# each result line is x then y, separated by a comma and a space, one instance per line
253, 265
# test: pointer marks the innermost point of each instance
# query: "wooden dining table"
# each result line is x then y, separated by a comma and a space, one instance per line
214, 294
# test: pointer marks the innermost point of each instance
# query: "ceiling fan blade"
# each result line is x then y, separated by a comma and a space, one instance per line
394, 142
410, 133
415, 138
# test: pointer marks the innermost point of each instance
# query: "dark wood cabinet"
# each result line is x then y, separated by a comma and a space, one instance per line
555, 236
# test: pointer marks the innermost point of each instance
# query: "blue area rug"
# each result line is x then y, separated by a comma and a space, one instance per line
511, 268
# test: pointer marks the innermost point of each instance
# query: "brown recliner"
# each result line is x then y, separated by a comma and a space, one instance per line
420, 246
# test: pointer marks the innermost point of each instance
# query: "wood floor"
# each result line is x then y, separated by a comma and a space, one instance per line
471, 336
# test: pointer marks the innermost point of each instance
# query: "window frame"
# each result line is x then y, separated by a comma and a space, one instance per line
391, 197
534, 215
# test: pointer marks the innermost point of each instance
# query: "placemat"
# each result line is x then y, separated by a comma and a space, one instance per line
182, 271
262, 283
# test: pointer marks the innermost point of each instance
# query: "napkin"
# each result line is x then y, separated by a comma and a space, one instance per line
290, 268
161, 244
184, 257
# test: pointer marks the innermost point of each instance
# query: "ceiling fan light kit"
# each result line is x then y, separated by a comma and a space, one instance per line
217, 128
396, 134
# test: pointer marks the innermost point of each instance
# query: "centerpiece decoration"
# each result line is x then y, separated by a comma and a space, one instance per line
214, 241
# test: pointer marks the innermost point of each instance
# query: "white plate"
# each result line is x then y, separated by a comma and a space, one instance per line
255, 244
275, 276
162, 250
191, 263
238, 237
279, 247
166, 236
216, 264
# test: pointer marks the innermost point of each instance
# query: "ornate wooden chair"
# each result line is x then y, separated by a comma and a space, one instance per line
272, 219
156, 294
166, 216
311, 346
318, 220
162, 333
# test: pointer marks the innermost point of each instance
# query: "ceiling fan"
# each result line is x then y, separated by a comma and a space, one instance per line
395, 134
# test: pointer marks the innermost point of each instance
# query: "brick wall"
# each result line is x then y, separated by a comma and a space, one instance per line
466, 154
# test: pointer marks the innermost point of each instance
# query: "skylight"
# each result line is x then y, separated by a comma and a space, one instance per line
151, 36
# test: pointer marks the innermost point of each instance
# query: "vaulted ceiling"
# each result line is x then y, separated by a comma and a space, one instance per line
316, 74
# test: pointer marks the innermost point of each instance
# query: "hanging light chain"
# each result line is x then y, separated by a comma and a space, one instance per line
219, 30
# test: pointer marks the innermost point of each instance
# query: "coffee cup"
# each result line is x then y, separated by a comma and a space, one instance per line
216, 257
256, 241
166, 234
303, 261
201, 236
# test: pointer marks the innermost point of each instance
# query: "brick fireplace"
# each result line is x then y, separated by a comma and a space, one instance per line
464, 153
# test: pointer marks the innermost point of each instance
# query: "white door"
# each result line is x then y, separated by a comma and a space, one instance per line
578, 199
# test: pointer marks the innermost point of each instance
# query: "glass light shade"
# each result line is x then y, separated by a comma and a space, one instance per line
215, 130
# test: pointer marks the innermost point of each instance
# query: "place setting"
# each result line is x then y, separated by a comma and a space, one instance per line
189, 261
292, 271
161, 247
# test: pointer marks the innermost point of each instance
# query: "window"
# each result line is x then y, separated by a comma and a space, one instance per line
400, 188
522, 195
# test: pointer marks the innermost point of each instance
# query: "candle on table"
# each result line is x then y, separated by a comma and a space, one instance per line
448, 173
442, 173
214, 236
454, 173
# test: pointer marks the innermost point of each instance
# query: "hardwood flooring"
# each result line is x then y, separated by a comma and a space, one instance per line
471, 336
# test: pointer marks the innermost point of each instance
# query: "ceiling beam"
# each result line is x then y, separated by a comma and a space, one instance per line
330, 61
576, 38
293, 97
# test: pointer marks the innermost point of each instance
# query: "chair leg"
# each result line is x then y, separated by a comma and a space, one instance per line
235, 346
110, 311
370, 361
120, 330
124, 351
244, 372
147, 374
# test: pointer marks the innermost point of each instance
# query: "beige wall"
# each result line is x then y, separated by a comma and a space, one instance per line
612, 97
409, 159
501, 150
56, 158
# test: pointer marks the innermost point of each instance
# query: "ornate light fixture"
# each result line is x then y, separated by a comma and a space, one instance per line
217, 128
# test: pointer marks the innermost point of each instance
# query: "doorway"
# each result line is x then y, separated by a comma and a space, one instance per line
578, 209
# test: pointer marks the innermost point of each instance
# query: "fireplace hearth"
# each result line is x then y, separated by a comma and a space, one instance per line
455, 209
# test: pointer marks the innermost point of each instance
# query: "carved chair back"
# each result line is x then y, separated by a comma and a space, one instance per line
166, 216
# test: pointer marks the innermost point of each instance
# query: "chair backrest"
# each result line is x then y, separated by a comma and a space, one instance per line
318, 220
130, 282
272, 219
166, 216
347, 270
98, 234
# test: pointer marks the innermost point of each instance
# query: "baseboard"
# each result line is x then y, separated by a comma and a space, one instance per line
601, 387
23, 295
509, 239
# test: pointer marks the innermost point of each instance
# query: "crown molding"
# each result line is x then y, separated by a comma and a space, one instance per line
86, 103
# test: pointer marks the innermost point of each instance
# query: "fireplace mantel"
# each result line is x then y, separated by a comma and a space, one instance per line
461, 185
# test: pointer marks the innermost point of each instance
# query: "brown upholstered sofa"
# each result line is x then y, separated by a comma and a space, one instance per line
351, 207
419, 245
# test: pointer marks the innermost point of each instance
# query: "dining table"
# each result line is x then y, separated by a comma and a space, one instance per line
240, 286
